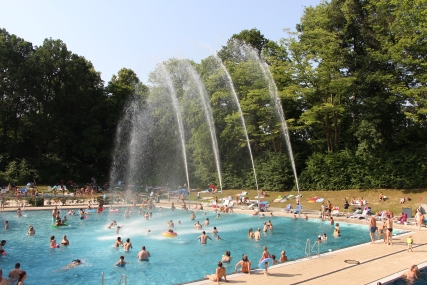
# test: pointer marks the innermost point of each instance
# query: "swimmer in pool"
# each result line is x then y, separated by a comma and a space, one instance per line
118, 229
121, 262
143, 255
412, 273
118, 242
170, 224
337, 231
206, 222
283, 257
73, 263
197, 226
257, 234
6, 225
31, 231
2, 243
53, 243
214, 231
203, 238
270, 225
65, 240
127, 245
82, 214
265, 227
251, 233
226, 257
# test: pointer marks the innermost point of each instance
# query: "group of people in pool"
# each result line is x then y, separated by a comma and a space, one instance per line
16, 276
245, 265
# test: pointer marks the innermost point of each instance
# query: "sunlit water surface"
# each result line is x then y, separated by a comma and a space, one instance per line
173, 260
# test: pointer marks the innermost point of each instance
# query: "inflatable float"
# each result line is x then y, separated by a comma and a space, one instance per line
169, 234
64, 225
261, 264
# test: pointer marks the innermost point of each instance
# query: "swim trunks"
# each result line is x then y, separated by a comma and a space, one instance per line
144, 260
373, 229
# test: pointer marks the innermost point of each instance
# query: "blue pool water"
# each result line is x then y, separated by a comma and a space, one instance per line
174, 260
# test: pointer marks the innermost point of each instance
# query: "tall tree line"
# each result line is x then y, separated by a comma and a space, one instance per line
352, 81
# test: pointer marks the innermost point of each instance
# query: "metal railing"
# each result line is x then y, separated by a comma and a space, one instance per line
120, 281
307, 249
318, 247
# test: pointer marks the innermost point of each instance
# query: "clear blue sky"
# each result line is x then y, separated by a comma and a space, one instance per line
138, 34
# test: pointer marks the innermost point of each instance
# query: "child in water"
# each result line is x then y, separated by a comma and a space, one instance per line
337, 231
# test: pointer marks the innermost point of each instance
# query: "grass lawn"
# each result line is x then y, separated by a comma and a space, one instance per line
337, 198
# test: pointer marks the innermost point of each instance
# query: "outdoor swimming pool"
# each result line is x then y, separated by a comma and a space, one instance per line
173, 260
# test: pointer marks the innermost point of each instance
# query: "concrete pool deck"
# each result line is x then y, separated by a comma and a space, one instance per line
376, 261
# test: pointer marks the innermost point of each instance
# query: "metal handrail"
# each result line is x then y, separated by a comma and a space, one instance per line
318, 247
307, 248
120, 281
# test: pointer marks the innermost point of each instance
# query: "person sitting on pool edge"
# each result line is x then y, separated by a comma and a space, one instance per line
219, 273
245, 265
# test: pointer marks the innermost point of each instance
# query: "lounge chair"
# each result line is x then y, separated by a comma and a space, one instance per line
363, 215
383, 216
288, 208
263, 206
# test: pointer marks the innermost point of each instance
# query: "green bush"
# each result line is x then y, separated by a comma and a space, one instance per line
38, 201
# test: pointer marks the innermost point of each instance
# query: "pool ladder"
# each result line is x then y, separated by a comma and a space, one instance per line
120, 281
309, 250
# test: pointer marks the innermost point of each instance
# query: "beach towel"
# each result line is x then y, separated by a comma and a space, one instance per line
276, 200
290, 196
313, 199
283, 200
320, 200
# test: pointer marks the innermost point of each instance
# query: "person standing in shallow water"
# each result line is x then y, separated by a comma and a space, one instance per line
203, 238
143, 255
